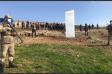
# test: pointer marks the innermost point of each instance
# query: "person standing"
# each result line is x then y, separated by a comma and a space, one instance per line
7, 43
89, 27
97, 26
92, 26
27, 24
33, 26
86, 30
80, 27
23, 25
109, 28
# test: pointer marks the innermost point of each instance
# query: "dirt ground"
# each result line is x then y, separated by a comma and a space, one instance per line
57, 37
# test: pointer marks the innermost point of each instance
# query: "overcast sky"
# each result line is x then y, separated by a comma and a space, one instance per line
90, 12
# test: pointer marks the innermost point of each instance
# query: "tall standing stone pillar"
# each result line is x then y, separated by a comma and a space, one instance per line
70, 24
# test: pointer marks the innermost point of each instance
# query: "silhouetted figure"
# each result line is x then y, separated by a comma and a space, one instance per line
109, 28
97, 26
27, 24
47, 25
86, 30
23, 25
80, 27
89, 27
92, 26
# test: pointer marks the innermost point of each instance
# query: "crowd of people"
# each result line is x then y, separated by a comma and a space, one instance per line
87, 27
34, 26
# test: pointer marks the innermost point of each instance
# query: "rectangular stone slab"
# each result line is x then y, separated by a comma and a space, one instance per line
70, 24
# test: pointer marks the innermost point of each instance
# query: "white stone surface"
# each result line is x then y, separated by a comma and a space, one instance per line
70, 24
